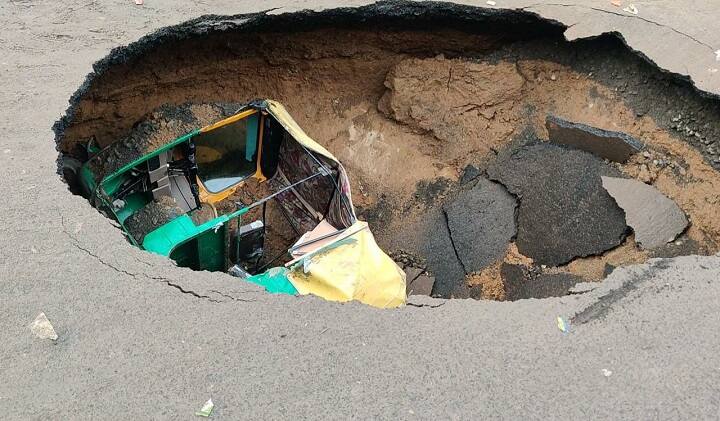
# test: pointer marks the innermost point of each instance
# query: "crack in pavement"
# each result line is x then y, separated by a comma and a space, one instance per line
623, 16
185, 291
98, 258
76, 244
231, 297
424, 305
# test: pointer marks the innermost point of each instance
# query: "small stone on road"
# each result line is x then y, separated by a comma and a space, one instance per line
42, 328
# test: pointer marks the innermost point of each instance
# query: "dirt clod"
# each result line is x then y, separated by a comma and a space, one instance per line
151, 216
454, 100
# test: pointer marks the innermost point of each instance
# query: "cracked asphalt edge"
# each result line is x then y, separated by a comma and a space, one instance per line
606, 295
207, 24
626, 16
622, 284
177, 284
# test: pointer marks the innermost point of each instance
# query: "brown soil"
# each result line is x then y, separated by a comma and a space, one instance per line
405, 114
279, 234
154, 131
491, 279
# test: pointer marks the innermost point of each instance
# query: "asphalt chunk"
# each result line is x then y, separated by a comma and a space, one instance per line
441, 260
422, 285
564, 211
615, 146
655, 218
521, 284
470, 173
481, 221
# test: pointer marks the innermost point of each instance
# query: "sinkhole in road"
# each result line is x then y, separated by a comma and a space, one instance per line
470, 137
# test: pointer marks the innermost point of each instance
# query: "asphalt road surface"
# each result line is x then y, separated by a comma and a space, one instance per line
140, 338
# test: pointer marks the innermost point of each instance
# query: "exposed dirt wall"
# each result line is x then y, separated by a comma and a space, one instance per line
408, 96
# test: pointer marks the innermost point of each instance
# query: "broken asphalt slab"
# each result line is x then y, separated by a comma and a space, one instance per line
442, 261
429, 239
564, 211
421, 285
481, 220
656, 219
520, 284
417, 281
606, 144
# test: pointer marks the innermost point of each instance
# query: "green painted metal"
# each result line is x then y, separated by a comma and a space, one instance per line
93, 150
110, 187
87, 177
200, 247
169, 236
110, 183
211, 249
151, 155
133, 203
274, 280
208, 251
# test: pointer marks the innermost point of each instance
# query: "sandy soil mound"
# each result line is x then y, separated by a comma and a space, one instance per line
456, 101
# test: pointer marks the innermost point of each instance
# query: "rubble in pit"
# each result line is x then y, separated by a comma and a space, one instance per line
481, 223
606, 144
155, 214
387, 107
437, 246
521, 282
418, 280
655, 219
564, 211
526, 225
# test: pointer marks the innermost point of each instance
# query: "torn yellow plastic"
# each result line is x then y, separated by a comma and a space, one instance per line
354, 268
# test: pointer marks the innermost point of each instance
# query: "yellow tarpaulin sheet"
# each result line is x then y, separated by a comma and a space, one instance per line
353, 268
